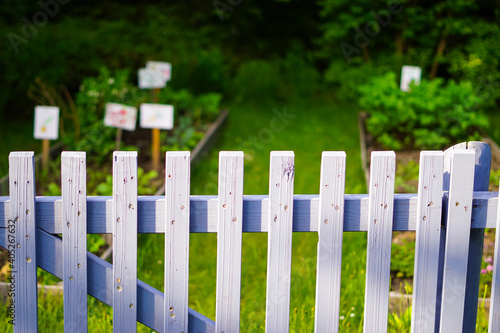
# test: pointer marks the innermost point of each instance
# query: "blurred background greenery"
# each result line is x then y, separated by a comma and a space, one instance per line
322, 61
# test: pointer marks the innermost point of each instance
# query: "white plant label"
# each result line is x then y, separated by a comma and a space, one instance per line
120, 116
150, 79
409, 74
46, 122
157, 116
164, 68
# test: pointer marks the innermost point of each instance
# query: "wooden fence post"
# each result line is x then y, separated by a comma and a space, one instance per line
177, 208
279, 249
74, 222
458, 225
22, 216
330, 232
125, 241
481, 183
378, 259
429, 207
229, 238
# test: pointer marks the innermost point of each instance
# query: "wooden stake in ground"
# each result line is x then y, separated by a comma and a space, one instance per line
156, 117
118, 138
155, 138
45, 153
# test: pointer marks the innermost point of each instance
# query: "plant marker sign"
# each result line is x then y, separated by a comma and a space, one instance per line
157, 116
150, 79
162, 68
120, 116
46, 122
409, 74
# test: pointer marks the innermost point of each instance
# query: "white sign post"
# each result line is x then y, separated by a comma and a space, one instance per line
409, 74
156, 117
46, 128
122, 117
164, 68
155, 76
150, 79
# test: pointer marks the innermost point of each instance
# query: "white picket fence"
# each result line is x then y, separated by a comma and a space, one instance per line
449, 215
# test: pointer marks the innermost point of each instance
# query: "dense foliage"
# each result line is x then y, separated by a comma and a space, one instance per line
432, 115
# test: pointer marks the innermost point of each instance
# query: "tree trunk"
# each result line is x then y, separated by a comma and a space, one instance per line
399, 43
366, 54
439, 53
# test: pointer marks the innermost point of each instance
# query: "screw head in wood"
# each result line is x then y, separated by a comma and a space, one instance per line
71, 278
28, 259
119, 288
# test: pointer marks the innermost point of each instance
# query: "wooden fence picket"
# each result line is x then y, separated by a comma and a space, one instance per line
279, 249
330, 231
457, 240
125, 241
449, 214
378, 259
22, 217
429, 206
494, 318
74, 220
481, 183
229, 238
177, 182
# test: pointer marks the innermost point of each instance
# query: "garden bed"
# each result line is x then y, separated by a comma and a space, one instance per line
403, 247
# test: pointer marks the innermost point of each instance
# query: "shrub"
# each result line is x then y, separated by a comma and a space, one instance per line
433, 115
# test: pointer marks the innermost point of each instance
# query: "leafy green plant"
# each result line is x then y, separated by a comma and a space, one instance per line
403, 255
144, 184
431, 116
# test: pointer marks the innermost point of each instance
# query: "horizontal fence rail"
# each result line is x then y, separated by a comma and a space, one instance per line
448, 214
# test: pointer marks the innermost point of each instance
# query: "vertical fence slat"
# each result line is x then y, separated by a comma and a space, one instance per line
22, 213
494, 321
177, 173
229, 237
125, 241
457, 240
74, 220
481, 183
378, 260
429, 206
442, 242
279, 257
330, 224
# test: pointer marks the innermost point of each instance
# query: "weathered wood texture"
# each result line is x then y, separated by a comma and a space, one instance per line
74, 206
427, 240
481, 183
449, 227
229, 238
177, 174
457, 240
378, 259
331, 222
279, 248
125, 241
23, 217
